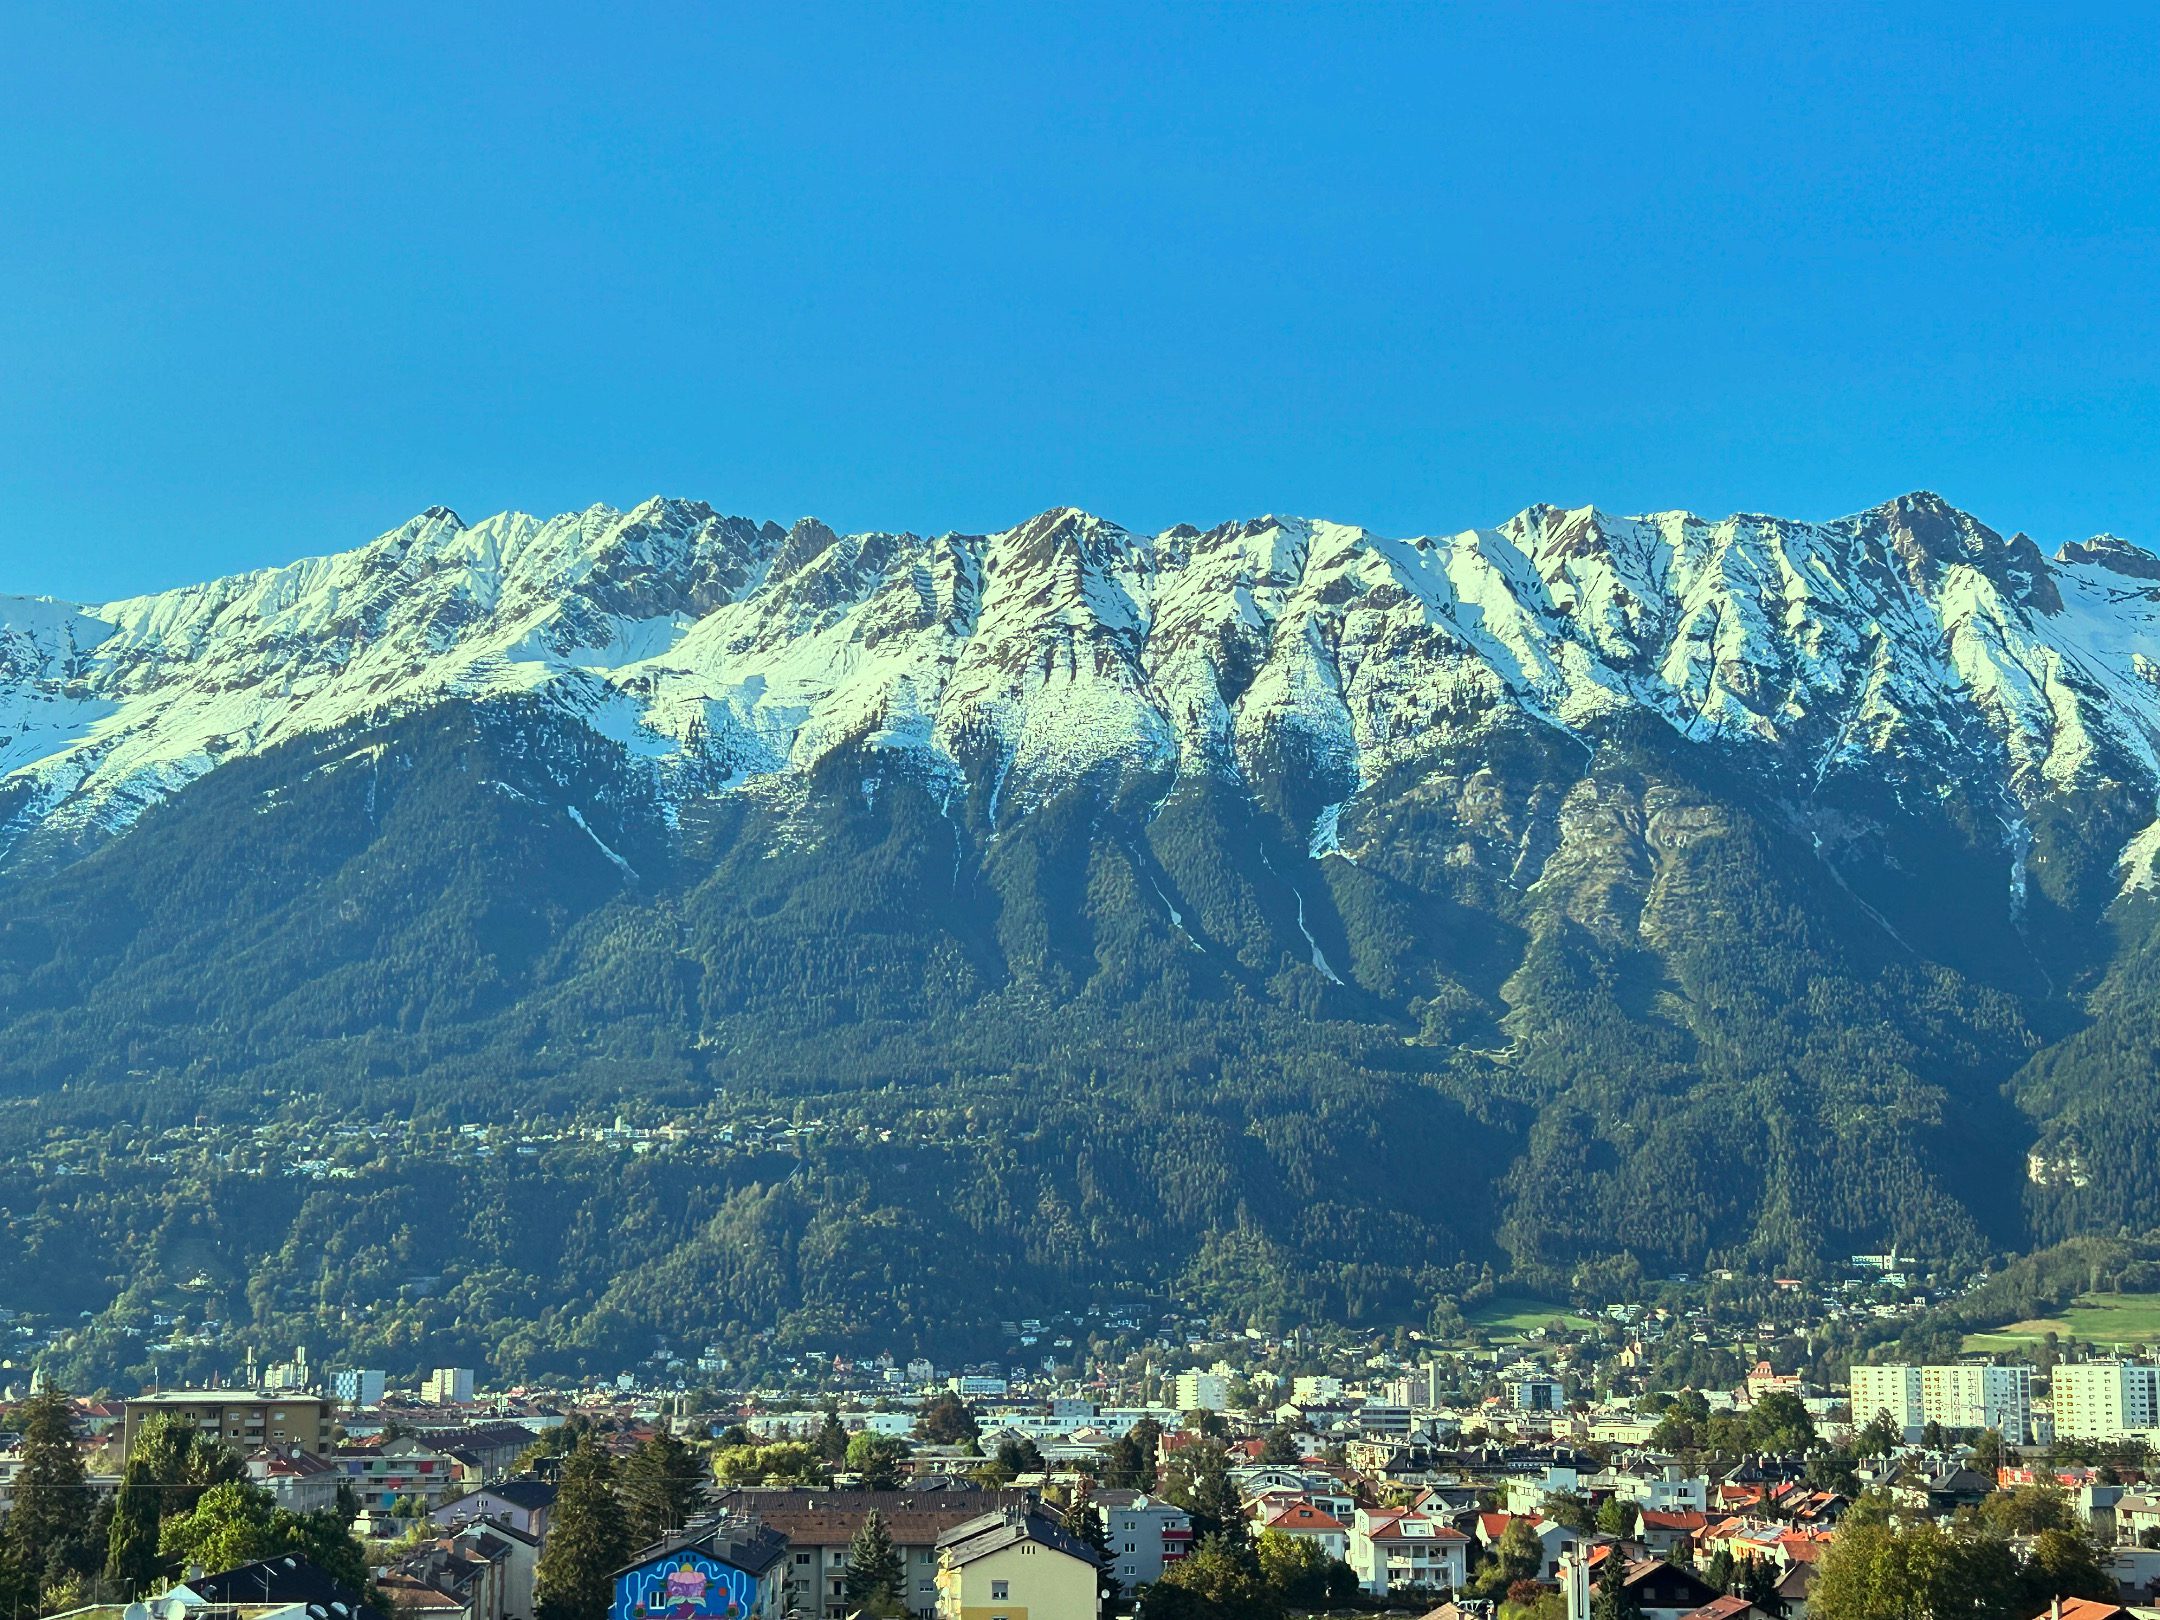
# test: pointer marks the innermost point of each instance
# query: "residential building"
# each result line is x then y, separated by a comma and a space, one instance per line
1379, 1418
1658, 1590
490, 1448
1015, 1564
1422, 1389
1526, 1493
1891, 1390
1943, 1492
1957, 1396
1659, 1487
391, 1473
1204, 1391
514, 1560
2106, 1400
1391, 1549
287, 1587
296, 1480
724, 1568
820, 1525
466, 1575
1667, 1534
1145, 1535
244, 1419
448, 1386
1311, 1522
359, 1386
523, 1504
1556, 1541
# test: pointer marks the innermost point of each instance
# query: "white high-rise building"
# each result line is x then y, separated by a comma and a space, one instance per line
1204, 1391
1895, 1390
2104, 1400
359, 1386
448, 1386
1959, 1396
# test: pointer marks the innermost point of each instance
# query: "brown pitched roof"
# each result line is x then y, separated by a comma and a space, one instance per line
822, 1518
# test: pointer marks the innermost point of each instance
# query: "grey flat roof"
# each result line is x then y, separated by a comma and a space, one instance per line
199, 1397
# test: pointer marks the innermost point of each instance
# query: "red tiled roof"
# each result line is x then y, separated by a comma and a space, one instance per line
1658, 1519
1304, 1516
1389, 1529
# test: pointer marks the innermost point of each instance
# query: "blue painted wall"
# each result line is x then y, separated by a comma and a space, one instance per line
684, 1585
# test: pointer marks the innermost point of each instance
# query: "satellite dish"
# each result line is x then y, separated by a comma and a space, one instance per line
136, 1611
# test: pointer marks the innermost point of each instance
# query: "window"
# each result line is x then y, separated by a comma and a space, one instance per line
1000, 1591
802, 1558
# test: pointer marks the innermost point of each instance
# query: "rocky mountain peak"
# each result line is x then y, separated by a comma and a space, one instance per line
1910, 641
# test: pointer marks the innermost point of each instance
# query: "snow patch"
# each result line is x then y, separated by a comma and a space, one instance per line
621, 865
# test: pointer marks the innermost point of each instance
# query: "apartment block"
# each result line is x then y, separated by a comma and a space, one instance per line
2104, 1400
244, 1419
1957, 1396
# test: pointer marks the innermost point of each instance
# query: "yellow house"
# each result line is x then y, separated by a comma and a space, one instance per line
1017, 1564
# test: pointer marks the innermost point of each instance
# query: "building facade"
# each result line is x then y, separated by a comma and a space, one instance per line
1391, 1549
1018, 1564
1957, 1396
1145, 1535
724, 1570
820, 1526
399, 1472
246, 1420
1203, 1391
448, 1386
359, 1386
2105, 1400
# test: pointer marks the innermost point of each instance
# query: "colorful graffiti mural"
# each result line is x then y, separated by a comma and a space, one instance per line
684, 1585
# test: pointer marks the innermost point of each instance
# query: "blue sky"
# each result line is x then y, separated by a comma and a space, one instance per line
273, 278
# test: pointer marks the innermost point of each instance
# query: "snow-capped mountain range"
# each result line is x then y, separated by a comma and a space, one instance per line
1910, 642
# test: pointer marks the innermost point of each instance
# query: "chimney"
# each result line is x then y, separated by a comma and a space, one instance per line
1575, 1577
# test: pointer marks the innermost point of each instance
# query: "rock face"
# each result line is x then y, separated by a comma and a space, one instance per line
1909, 651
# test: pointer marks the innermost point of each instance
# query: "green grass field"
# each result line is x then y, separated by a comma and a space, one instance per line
1511, 1316
2106, 1319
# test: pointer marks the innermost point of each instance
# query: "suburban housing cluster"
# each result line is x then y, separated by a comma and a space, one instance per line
1058, 1504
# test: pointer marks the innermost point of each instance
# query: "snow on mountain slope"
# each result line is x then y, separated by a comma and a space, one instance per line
1911, 642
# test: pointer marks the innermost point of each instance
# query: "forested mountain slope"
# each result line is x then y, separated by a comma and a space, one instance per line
1283, 916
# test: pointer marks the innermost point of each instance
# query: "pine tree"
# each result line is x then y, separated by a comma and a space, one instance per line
1719, 1570
832, 1440
49, 1525
946, 1421
876, 1578
663, 1486
1613, 1600
588, 1541
1197, 1479
131, 1543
